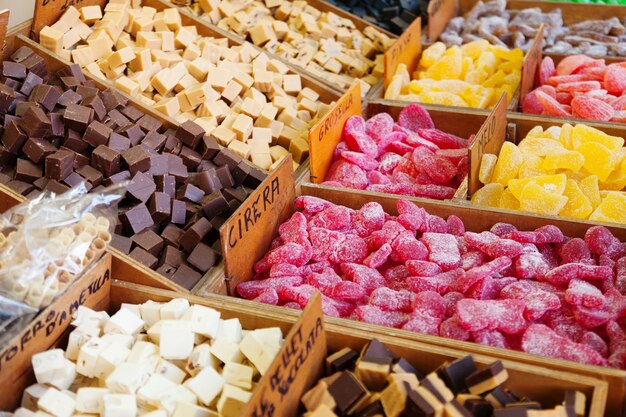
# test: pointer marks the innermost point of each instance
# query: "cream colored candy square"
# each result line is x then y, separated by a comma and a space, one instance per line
262, 160
240, 148
142, 60
121, 57
51, 39
148, 40
127, 85
89, 14
262, 33
242, 126
233, 401
170, 106
223, 135
83, 56
278, 152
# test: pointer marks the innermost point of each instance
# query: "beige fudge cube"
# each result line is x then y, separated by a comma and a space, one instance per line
240, 148
51, 39
262, 33
127, 85
121, 57
242, 126
223, 135
89, 14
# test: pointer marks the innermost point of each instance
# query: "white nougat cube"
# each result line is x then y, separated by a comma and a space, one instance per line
78, 338
230, 330
150, 312
142, 351
88, 356
200, 358
119, 339
155, 413
111, 356
154, 332
56, 403
174, 309
233, 401
84, 315
124, 322
119, 405
181, 394
190, 410
133, 308
89, 399
32, 394
271, 336
257, 352
23, 412
177, 339
149, 395
238, 375
170, 371
127, 378
206, 385
226, 351
47, 365
205, 321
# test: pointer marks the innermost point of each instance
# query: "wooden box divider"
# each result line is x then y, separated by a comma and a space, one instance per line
49, 329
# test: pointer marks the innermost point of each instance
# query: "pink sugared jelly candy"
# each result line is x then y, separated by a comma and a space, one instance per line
407, 248
361, 160
421, 323
582, 293
376, 315
391, 300
601, 241
361, 142
430, 303
378, 257
269, 296
347, 174
415, 117
490, 338
289, 253
444, 250
530, 265
423, 268
575, 251
440, 283
379, 126
452, 329
294, 229
301, 294
368, 219
451, 299
312, 204
536, 300
541, 340
479, 273
348, 291
324, 280
455, 225
351, 249
620, 275
390, 230
333, 218
410, 216
366, 277
595, 342
442, 139
504, 315
472, 259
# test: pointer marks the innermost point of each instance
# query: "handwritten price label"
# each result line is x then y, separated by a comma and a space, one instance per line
326, 134
405, 51
295, 368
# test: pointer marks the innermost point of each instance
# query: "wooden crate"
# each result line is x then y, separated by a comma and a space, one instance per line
49, 329
361, 24
476, 219
539, 383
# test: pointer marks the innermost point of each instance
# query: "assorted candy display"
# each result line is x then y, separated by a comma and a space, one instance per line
535, 291
375, 382
60, 131
165, 359
410, 157
475, 75
516, 28
574, 171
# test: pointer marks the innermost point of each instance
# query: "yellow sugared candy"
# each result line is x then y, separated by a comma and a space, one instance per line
481, 72
573, 171
508, 164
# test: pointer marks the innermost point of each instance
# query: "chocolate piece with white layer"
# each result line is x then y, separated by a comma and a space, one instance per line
455, 373
487, 378
341, 360
346, 390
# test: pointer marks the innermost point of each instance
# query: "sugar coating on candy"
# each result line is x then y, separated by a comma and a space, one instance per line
415, 117
541, 340
423, 273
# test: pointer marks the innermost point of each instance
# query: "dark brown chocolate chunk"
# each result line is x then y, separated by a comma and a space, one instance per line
144, 257
20, 187
214, 204
118, 142
226, 178
113, 99
95, 102
116, 178
172, 145
132, 113
7, 97
240, 172
479, 407
500, 397
80, 160
141, 187
342, 360
59, 165
190, 158
208, 147
228, 158
36, 123
454, 374
186, 277
90, 174
106, 160
75, 142
149, 123
255, 177
13, 70
6, 157
86, 92
14, 137
37, 149
160, 207
73, 180
56, 124
191, 193
73, 70
374, 409
208, 181
122, 243
21, 54
56, 187
26, 171
22, 106
69, 82
172, 234
118, 121
159, 166
404, 367
416, 405
97, 134
68, 97
457, 408
178, 215
172, 256
40, 183
46, 95
35, 63
136, 219
30, 82
154, 140
167, 271
77, 117
376, 350
202, 257
238, 194
137, 159
149, 241
346, 390
166, 184
195, 234
190, 133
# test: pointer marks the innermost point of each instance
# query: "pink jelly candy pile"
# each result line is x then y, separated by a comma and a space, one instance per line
410, 157
535, 291
581, 87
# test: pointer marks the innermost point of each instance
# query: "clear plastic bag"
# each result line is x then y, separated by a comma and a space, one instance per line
47, 242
